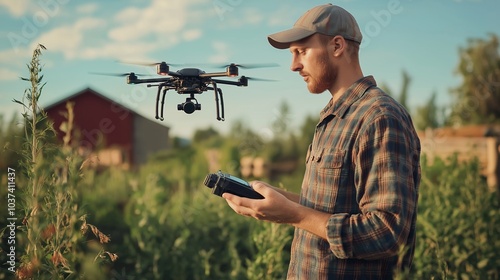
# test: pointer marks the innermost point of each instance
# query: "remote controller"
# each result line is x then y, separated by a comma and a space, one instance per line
222, 182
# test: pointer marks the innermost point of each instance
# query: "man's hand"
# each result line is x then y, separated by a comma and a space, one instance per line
279, 207
275, 207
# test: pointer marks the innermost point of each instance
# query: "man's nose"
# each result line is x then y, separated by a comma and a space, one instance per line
296, 65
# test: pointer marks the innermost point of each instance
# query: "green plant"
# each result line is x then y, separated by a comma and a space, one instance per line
50, 233
457, 225
272, 243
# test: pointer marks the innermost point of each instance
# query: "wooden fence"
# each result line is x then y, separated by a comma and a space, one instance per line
466, 143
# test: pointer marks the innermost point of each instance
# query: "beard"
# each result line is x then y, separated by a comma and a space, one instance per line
325, 76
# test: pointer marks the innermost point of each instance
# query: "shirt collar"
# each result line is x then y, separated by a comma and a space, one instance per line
346, 99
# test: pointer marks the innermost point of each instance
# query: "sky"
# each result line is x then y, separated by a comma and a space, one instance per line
422, 38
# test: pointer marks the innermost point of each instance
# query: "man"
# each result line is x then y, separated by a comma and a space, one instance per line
356, 213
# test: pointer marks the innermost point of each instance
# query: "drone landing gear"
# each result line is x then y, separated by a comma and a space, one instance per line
218, 103
165, 89
191, 104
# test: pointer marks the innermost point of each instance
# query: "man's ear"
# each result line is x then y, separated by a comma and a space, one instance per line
337, 45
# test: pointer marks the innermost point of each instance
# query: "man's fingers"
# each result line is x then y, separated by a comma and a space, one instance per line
236, 200
259, 187
242, 210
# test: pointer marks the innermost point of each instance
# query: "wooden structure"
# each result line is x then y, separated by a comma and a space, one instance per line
258, 167
481, 142
117, 135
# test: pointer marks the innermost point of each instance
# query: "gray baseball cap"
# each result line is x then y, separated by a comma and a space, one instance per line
326, 19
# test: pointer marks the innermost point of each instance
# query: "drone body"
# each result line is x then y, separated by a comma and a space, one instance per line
191, 81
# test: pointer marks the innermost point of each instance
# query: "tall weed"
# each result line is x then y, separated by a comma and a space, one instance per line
50, 235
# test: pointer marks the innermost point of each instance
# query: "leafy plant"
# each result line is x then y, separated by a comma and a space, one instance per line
50, 233
457, 223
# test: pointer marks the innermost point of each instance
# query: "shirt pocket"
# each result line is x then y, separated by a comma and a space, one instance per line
331, 160
330, 175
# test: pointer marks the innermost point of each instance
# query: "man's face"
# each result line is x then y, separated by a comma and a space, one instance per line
310, 58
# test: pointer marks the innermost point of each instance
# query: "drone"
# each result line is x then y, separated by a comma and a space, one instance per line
191, 81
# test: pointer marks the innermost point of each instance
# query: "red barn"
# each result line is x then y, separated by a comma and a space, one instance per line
117, 134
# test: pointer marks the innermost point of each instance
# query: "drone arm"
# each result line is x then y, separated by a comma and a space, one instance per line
156, 80
216, 74
242, 82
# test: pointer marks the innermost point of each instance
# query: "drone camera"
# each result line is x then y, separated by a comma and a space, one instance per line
189, 106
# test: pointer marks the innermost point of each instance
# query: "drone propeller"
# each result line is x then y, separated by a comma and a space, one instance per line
251, 65
244, 66
118, 74
147, 63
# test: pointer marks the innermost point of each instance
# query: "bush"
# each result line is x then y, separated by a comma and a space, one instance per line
457, 224
194, 235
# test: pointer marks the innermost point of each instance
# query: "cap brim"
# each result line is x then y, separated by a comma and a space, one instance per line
282, 40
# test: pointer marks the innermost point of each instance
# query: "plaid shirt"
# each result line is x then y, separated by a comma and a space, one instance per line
363, 168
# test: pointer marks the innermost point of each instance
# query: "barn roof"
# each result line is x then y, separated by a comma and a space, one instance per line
85, 90
104, 97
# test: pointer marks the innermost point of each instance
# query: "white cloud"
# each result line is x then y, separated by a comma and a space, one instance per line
243, 17
39, 9
16, 8
161, 18
12, 54
87, 8
10, 58
7, 74
281, 17
129, 33
162, 24
192, 34
221, 53
132, 51
69, 40
253, 16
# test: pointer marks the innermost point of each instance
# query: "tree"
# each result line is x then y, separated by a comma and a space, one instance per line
477, 99
205, 134
427, 115
10, 134
403, 94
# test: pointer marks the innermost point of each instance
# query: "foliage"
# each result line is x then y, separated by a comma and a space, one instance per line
10, 135
477, 99
402, 98
50, 233
283, 145
170, 232
457, 235
205, 134
427, 116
